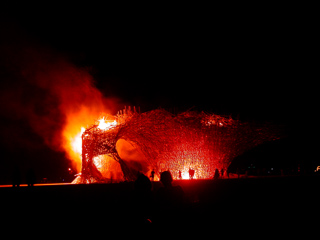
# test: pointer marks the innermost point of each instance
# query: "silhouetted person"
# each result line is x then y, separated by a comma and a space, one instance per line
222, 172
216, 174
169, 200
31, 177
169, 195
16, 177
142, 185
152, 175
142, 199
180, 175
191, 173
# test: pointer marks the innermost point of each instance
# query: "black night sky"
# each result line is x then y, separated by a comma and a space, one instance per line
254, 65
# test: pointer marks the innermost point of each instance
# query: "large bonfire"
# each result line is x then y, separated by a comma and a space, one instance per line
116, 148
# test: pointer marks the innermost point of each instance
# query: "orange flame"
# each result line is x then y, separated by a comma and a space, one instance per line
105, 125
72, 132
75, 128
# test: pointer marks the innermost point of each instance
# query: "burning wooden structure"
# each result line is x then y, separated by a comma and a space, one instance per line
189, 140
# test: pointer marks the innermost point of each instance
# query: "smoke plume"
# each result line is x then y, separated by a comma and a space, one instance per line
45, 93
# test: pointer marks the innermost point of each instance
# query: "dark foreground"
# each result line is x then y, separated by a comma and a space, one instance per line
228, 207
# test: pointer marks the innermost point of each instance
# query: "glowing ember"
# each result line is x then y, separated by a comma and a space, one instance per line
190, 145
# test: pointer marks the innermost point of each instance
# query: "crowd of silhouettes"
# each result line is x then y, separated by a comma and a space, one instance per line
30, 177
220, 174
